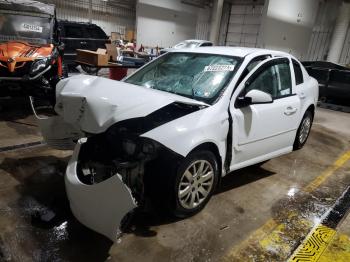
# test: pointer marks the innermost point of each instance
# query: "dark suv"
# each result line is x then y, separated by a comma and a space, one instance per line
77, 35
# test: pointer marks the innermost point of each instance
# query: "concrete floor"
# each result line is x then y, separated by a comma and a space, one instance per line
261, 213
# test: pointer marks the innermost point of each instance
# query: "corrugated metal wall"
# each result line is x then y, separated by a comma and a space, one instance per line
241, 19
226, 11
322, 30
322, 33
243, 23
203, 23
109, 18
345, 55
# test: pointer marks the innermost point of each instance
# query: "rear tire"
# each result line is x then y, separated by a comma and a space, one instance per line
303, 131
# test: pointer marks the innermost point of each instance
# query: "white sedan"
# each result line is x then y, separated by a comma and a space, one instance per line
170, 131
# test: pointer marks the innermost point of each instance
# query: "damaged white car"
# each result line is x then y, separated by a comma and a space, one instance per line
171, 130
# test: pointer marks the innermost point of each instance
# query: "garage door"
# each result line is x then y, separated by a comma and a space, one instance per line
244, 23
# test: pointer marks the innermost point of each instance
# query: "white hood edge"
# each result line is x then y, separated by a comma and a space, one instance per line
93, 104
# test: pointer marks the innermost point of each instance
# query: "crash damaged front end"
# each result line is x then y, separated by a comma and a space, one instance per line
99, 206
114, 167
106, 177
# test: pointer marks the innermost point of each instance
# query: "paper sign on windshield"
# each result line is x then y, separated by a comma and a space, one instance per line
219, 68
32, 28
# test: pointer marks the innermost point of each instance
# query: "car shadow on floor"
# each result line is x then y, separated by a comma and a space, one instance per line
243, 177
144, 219
43, 216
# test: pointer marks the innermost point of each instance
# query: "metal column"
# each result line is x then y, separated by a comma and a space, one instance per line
215, 21
339, 33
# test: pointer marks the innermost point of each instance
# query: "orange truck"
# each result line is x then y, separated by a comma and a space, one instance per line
30, 49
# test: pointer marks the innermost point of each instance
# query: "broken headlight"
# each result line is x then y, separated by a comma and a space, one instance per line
148, 147
140, 145
39, 65
129, 147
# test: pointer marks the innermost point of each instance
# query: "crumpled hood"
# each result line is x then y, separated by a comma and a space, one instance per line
93, 103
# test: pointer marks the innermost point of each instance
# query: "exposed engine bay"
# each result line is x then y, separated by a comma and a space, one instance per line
121, 150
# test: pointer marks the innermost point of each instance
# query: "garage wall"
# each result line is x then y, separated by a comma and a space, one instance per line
164, 23
287, 25
203, 23
243, 23
109, 18
345, 55
322, 30
242, 20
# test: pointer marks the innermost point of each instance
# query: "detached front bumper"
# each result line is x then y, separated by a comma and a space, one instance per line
101, 207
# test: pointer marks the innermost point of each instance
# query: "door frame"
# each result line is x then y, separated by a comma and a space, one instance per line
273, 59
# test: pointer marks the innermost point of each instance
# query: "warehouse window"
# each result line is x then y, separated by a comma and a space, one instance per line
298, 73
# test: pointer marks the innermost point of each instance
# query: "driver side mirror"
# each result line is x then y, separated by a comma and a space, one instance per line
253, 97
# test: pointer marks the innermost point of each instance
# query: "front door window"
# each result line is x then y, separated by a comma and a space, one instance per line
274, 80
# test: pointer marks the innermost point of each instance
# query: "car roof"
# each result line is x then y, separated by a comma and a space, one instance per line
232, 51
66, 22
196, 40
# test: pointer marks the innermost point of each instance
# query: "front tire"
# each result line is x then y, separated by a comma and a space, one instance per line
195, 181
303, 131
165, 180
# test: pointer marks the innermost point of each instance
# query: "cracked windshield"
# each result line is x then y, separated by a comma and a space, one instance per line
198, 76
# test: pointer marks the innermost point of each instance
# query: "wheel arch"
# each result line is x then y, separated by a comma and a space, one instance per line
311, 108
212, 147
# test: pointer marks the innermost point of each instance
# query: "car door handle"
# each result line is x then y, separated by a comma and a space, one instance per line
290, 111
83, 42
302, 96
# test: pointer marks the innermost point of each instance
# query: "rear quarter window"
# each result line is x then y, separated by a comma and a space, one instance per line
299, 79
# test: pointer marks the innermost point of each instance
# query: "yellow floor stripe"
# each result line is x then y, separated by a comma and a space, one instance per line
267, 230
314, 245
328, 172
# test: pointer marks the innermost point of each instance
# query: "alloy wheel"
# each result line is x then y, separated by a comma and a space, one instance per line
305, 129
195, 184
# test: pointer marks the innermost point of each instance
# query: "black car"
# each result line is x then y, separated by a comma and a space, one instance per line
77, 35
333, 79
